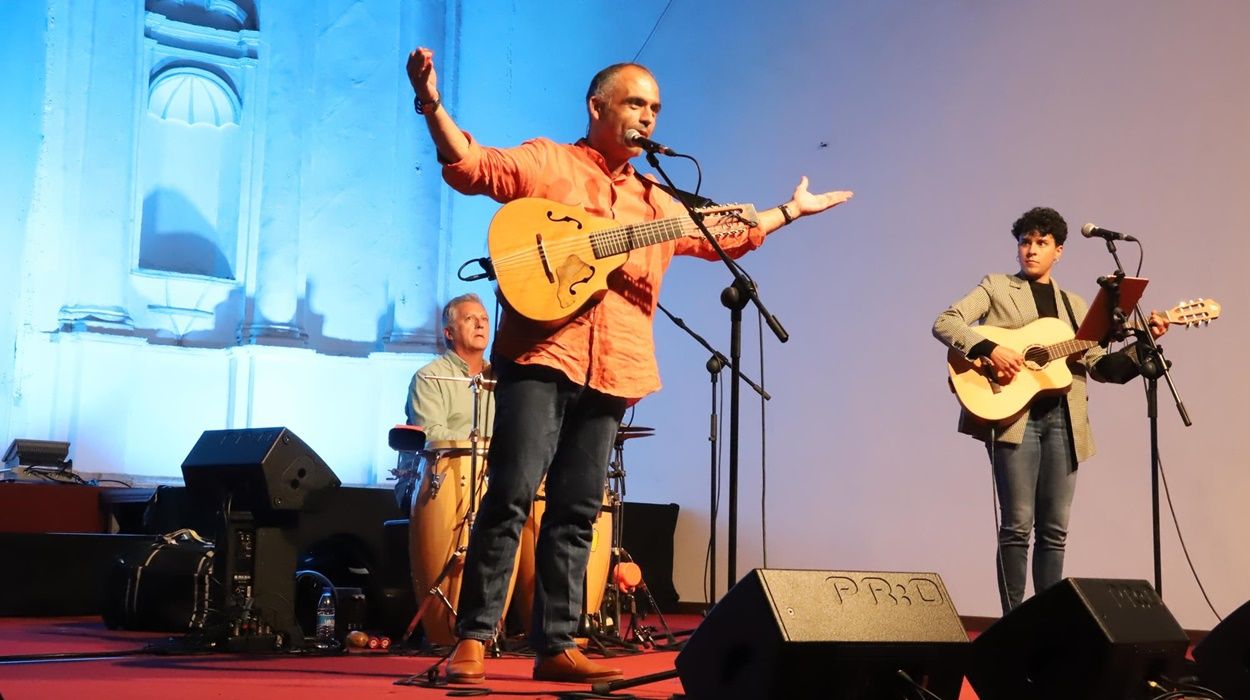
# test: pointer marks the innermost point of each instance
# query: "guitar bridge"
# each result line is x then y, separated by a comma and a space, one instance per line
542, 255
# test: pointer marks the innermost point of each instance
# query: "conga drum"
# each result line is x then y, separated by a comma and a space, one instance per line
596, 568
438, 533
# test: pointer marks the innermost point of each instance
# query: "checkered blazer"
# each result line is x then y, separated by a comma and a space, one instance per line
1007, 301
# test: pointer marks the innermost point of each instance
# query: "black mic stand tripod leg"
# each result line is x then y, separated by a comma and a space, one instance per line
734, 297
715, 364
609, 686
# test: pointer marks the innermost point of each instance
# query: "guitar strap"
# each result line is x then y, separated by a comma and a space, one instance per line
1068, 305
1071, 318
694, 201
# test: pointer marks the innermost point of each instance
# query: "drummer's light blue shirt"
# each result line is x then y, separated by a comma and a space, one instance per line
443, 408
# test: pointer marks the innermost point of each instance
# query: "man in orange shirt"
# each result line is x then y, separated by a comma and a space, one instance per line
561, 392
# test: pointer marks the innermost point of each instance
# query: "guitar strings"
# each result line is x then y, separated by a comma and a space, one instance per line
609, 235
602, 238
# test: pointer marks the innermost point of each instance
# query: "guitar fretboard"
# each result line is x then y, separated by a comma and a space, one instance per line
622, 239
1064, 349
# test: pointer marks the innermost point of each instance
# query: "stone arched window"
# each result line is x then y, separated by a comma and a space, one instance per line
196, 189
189, 171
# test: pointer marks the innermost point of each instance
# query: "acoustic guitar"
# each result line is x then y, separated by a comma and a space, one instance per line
1046, 344
552, 260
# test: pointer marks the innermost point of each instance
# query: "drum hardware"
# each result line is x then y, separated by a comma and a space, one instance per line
625, 576
407, 441
435, 591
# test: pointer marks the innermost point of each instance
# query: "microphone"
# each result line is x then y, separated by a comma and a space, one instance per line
1094, 231
635, 138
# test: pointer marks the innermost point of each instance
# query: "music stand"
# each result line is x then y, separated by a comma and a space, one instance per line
1098, 324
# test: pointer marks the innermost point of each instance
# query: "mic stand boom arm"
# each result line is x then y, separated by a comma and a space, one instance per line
715, 363
716, 354
741, 279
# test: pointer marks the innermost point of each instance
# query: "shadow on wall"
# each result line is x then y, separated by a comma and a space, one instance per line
175, 237
314, 326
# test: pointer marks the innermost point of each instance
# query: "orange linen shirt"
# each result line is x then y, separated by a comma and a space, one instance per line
609, 346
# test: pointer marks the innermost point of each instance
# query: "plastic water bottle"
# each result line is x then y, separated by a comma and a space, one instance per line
325, 619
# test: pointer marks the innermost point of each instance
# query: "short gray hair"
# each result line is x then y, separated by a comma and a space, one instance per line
603, 80
449, 309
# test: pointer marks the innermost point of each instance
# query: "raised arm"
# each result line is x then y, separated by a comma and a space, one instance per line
449, 140
802, 203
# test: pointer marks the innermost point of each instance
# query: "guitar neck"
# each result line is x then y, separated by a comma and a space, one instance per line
622, 239
1068, 348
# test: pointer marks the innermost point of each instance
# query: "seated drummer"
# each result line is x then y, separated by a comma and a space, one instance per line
437, 402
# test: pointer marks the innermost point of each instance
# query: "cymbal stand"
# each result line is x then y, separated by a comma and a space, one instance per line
616, 494
598, 630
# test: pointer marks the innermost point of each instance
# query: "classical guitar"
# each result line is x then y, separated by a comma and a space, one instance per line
552, 260
1046, 344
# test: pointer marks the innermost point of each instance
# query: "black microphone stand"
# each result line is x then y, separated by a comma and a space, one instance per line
1152, 365
734, 297
715, 363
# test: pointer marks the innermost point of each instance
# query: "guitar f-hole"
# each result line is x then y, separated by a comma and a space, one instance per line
542, 255
551, 217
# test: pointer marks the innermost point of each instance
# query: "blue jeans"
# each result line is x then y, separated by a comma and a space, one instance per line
543, 424
1036, 481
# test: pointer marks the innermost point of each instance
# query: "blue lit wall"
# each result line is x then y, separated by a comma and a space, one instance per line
23, 44
273, 250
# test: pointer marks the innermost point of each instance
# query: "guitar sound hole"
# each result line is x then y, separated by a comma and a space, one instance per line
1035, 357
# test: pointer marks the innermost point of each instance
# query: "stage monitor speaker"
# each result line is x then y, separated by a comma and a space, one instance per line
1080, 639
827, 634
261, 469
1223, 656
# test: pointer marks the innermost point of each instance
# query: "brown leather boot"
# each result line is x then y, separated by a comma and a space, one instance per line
465, 665
572, 666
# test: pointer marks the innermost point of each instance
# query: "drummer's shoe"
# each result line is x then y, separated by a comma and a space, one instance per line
572, 666
465, 665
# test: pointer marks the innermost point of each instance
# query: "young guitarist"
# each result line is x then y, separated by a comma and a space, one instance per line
1034, 454
561, 391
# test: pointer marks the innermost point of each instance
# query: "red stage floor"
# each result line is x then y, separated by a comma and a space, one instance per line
284, 677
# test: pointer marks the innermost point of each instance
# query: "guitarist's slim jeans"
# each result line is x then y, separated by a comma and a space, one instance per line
544, 424
1036, 481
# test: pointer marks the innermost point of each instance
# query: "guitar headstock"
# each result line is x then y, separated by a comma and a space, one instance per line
1195, 312
729, 219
